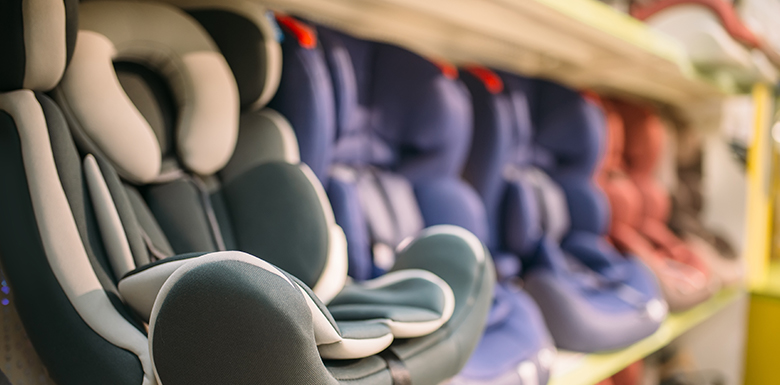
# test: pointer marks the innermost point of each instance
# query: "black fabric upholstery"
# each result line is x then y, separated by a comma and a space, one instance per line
162, 262
247, 64
223, 218
72, 352
71, 26
179, 210
278, 217
69, 168
161, 100
3, 379
12, 46
229, 322
398, 370
147, 223
369, 370
126, 214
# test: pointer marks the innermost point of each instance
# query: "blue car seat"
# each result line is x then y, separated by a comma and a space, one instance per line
402, 132
535, 176
516, 347
157, 226
401, 139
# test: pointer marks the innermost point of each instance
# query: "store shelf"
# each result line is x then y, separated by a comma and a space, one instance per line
588, 369
582, 43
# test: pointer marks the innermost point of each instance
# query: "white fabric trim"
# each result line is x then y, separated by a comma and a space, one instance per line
292, 153
45, 43
207, 132
348, 348
415, 329
94, 101
61, 239
141, 289
334, 275
324, 332
255, 13
528, 373
474, 243
326, 208
111, 229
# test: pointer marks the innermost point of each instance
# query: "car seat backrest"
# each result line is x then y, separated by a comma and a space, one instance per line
491, 148
381, 123
305, 95
645, 136
624, 198
52, 254
402, 137
571, 129
206, 193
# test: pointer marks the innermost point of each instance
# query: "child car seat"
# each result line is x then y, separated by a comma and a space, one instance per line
402, 134
551, 217
77, 232
687, 204
510, 314
683, 284
516, 347
305, 96
388, 179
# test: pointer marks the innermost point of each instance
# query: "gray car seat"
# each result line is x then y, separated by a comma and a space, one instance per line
154, 234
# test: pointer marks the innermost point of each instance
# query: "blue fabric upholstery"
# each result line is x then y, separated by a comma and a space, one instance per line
397, 116
305, 98
349, 215
569, 268
573, 131
516, 341
515, 338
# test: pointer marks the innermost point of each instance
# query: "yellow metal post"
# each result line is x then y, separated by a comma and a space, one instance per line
759, 205
763, 337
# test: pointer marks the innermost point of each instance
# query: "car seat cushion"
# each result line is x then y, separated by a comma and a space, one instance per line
452, 201
145, 287
515, 346
575, 312
412, 303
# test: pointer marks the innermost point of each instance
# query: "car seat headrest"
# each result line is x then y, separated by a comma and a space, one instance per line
349, 65
521, 98
644, 136
36, 42
167, 41
248, 37
396, 109
569, 126
613, 157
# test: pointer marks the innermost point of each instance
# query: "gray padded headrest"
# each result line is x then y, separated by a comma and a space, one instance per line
168, 41
246, 34
36, 41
